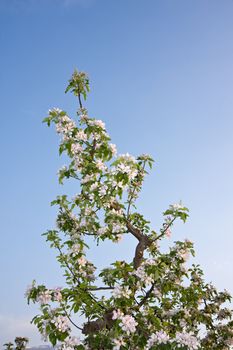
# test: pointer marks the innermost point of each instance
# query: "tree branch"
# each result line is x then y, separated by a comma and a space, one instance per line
144, 242
148, 293
163, 232
80, 102
139, 251
99, 324
99, 288
69, 318
132, 194
135, 231
76, 279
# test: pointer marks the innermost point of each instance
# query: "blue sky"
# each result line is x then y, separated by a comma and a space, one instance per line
161, 78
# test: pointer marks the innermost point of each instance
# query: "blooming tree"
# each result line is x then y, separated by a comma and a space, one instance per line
152, 302
9, 346
21, 343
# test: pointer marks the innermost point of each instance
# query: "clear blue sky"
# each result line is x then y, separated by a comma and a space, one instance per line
162, 79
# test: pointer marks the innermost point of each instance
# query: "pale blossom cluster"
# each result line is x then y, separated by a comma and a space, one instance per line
157, 338
61, 323
176, 206
67, 216
102, 230
75, 250
44, 335
113, 148
87, 178
181, 339
102, 190
187, 339
85, 268
168, 232
118, 227
94, 186
121, 292
182, 252
117, 314
44, 297
65, 126
97, 122
170, 313
127, 169
57, 295
100, 165
143, 276
81, 136
82, 261
76, 148
55, 110
70, 343
118, 342
127, 157
128, 324
141, 272
156, 292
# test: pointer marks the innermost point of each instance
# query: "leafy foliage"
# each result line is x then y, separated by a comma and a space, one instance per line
153, 302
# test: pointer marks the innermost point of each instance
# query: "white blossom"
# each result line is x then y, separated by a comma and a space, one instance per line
87, 178
156, 292
83, 117
44, 297
143, 276
57, 294
81, 136
70, 343
118, 343
82, 261
159, 337
61, 323
103, 190
98, 123
187, 339
128, 324
121, 292
94, 186
75, 249
102, 230
127, 157
117, 314
76, 148
65, 125
55, 110
176, 206
100, 165
113, 148
88, 211
117, 228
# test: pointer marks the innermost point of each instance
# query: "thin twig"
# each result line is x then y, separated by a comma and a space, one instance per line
99, 288
80, 102
71, 321
131, 197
